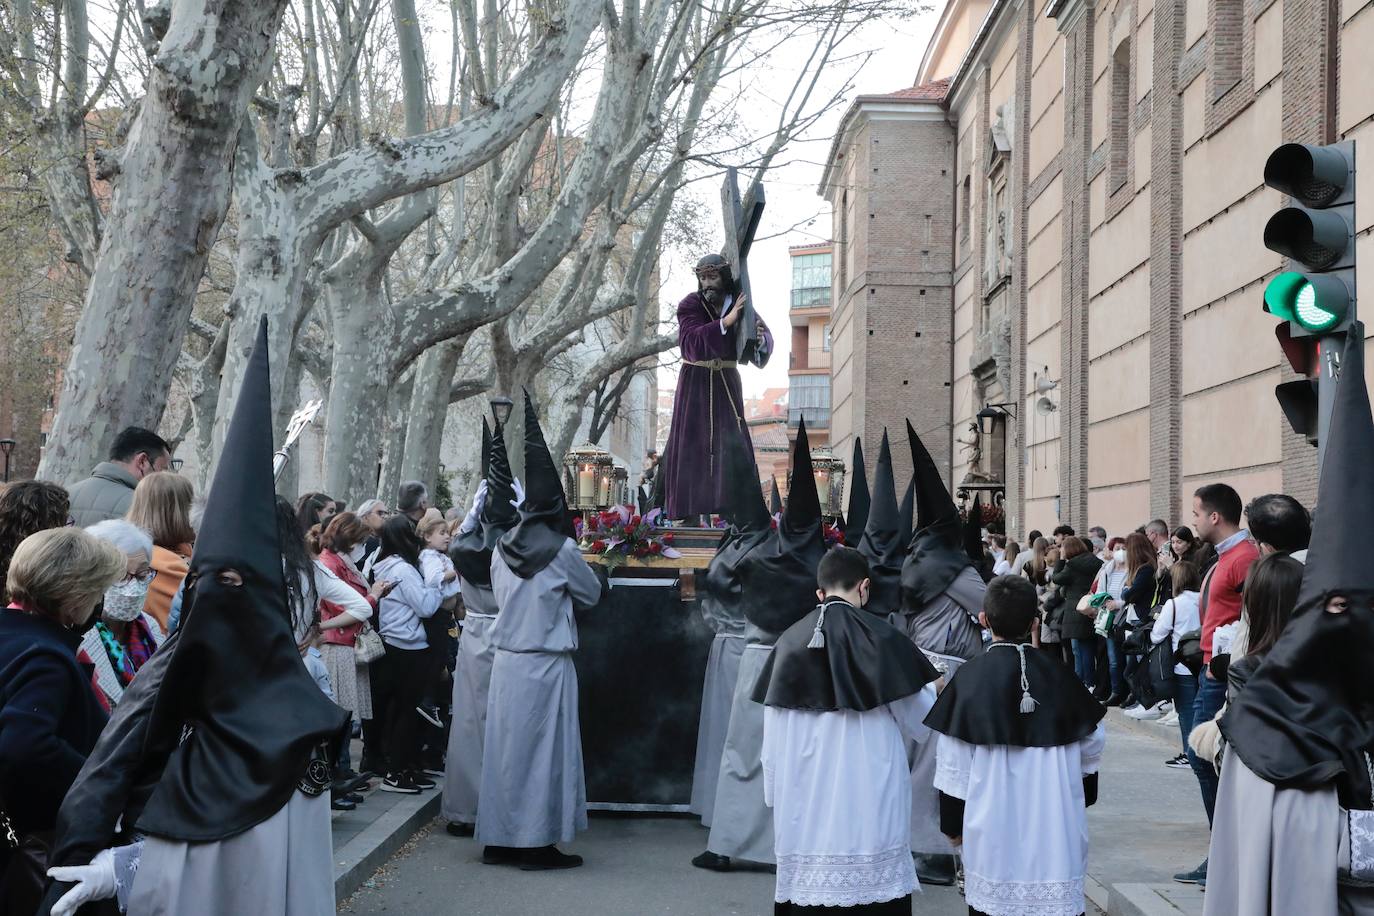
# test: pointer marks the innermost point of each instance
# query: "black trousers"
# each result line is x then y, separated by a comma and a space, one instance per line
403, 675
899, 907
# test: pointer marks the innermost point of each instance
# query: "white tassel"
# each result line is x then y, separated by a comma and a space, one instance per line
818, 638
1028, 702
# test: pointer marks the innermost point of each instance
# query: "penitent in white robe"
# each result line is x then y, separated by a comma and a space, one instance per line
471, 683
1025, 824
281, 867
533, 789
840, 792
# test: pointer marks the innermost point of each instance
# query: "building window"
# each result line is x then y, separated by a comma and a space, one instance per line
1227, 41
825, 337
965, 207
1119, 152
809, 398
811, 280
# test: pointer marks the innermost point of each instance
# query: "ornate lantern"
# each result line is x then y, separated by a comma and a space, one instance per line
620, 486
587, 473
829, 472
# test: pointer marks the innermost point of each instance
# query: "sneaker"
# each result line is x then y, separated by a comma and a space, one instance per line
430, 715
436, 772
1166, 706
399, 782
420, 780
1196, 876
1178, 763
1169, 718
1145, 713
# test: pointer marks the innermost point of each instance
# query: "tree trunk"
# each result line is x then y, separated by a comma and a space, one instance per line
359, 378
429, 402
389, 481
168, 206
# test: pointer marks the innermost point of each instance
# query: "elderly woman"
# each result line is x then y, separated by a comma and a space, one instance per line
26, 507
49, 718
162, 507
123, 637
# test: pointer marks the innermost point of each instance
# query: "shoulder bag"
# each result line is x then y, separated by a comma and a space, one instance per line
368, 645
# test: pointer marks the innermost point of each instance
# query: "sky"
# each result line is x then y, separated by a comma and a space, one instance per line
792, 198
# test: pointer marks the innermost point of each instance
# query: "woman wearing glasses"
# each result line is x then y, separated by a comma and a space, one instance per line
123, 637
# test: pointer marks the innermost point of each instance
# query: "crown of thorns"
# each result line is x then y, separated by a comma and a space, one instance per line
712, 264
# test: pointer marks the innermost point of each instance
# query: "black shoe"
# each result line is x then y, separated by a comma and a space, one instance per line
547, 858
1178, 763
1196, 876
501, 855
935, 870
399, 782
355, 798
421, 780
1116, 699
373, 769
456, 829
345, 785
341, 804
430, 715
437, 772
712, 862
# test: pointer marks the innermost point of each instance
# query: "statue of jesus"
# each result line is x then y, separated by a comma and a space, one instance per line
708, 406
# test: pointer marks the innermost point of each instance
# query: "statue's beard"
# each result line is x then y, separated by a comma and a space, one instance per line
712, 296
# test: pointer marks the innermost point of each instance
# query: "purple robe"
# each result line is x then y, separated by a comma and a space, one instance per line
707, 407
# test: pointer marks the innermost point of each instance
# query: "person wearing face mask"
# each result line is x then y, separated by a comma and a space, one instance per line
843, 691
49, 716
123, 637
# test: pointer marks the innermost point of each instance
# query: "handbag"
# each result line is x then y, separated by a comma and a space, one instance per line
1105, 618
368, 645
23, 867
1160, 663
1189, 651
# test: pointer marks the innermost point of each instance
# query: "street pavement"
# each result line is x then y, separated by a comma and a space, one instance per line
1147, 825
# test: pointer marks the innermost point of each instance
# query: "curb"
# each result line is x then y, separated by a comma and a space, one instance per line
1150, 728
1147, 900
365, 853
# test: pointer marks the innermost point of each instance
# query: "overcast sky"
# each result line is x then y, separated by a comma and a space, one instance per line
792, 197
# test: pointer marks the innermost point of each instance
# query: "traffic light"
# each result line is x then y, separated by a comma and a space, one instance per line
1315, 296
1316, 232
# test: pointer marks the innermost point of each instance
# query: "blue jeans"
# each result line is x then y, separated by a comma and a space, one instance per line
1114, 660
1085, 660
1185, 694
1211, 695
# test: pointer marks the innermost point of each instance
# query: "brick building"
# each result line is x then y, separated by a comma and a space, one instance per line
808, 371
888, 180
1108, 266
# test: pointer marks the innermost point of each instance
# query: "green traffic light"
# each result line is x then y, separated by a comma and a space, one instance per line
1315, 307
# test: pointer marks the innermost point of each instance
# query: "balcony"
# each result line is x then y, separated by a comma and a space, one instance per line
816, 417
814, 358
811, 297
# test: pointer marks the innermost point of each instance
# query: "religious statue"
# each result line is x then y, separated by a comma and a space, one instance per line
708, 406
973, 447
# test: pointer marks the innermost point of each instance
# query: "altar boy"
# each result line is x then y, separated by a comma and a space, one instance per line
1025, 735
840, 691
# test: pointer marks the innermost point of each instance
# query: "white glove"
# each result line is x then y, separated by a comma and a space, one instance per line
519, 493
93, 882
479, 500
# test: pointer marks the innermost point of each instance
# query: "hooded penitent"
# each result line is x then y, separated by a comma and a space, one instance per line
973, 540
543, 527
935, 556
882, 543
778, 576
471, 552
856, 515
1303, 719
750, 525
774, 499
254, 718
908, 511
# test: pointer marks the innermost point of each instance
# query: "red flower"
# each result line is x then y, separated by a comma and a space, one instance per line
668, 537
598, 546
634, 521
655, 547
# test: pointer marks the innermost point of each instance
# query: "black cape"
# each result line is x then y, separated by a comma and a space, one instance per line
1306, 716
864, 663
935, 557
981, 702
750, 525
544, 524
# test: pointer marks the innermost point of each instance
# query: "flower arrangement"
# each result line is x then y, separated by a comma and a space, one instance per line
618, 534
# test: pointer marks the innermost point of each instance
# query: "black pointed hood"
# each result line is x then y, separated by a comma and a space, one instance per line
775, 499
973, 540
235, 681
908, 511
1302, 721
935, 557
856, 513
750, 525
778, 575
471, 551
543, 527
882, 543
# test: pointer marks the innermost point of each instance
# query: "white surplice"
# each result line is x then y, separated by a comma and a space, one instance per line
1025, 825
840, 791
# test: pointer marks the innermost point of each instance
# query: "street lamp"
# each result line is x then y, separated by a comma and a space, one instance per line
987, 417
501, 407
7, 446
175, 464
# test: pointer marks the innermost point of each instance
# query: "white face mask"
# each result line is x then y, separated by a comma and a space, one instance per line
124, 600
1120, 556
356, 553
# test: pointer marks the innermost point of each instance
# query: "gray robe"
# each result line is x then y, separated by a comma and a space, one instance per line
1276, 851
717, 695
471, 680
947, 630
533, 792
281, 867
741, 825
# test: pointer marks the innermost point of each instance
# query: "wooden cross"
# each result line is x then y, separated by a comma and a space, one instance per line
741, 223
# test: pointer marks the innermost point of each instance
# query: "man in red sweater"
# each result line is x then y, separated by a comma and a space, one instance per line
1216, 517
